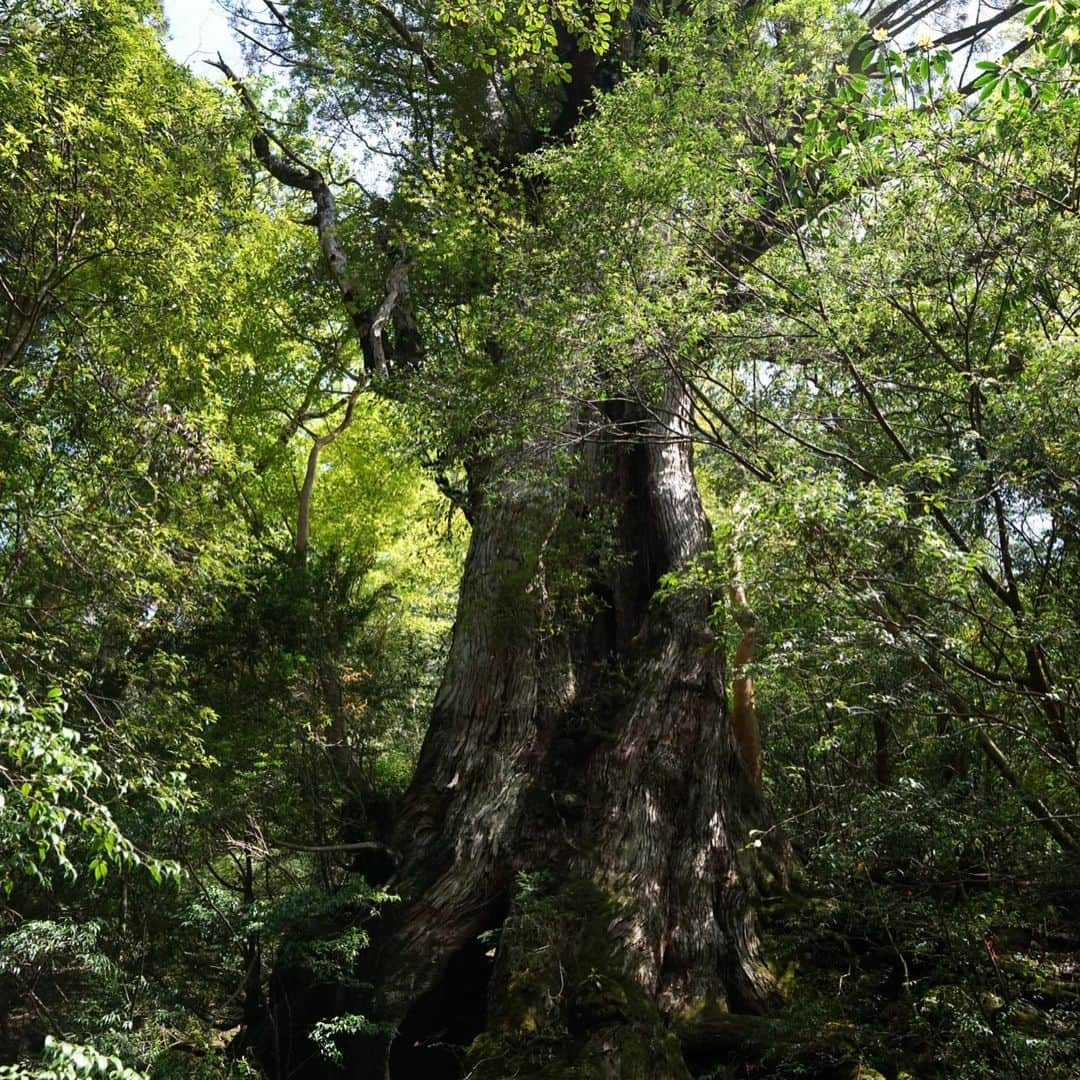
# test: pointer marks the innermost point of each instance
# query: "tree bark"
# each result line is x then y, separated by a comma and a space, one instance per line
581, 797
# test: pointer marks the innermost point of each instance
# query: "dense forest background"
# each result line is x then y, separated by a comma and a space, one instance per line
541, 540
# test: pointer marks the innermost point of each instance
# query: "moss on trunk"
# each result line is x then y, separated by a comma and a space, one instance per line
562, 1006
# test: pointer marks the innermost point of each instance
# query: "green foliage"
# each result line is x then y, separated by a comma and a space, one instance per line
324, 1033
57, 793
1040, 69
182, 685
116, 274
68, 1061
869, 281
521, 38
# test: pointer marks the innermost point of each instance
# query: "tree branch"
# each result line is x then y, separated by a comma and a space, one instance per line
411, 42
289, 170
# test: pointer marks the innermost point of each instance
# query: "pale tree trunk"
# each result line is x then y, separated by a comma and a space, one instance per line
744, 716
581, 800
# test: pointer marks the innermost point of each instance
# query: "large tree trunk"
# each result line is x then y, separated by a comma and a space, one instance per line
580, 802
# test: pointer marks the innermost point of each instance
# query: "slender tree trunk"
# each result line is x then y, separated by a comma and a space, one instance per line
583, 840
744, 716
882, 758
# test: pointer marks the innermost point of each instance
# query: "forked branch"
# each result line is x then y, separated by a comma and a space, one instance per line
291, 170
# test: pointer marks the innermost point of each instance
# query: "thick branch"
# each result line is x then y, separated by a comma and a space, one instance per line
411, 42
289, 170
359, 845
397, 284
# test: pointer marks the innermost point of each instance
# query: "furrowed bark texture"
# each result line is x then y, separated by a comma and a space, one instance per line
462, 821
671, 801
581, 773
